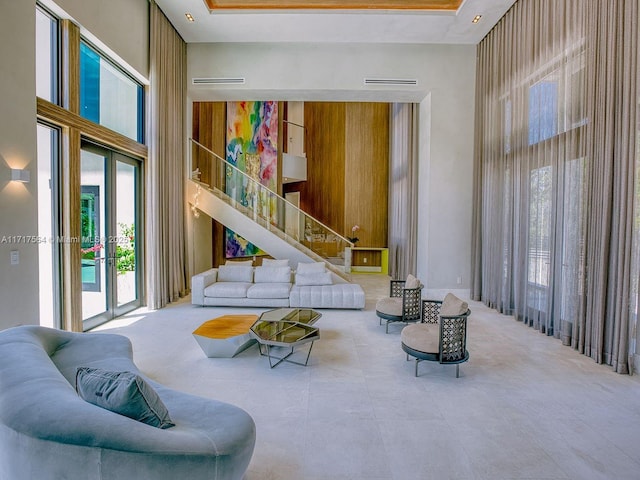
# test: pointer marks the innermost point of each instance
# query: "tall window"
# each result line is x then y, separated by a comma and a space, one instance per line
113, 101
556, 250
46, 55
543, 110
108, 96
48, 234
539, 116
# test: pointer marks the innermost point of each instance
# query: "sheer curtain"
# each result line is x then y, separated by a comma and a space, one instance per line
403, 190
612, 89
166, 266
556, 121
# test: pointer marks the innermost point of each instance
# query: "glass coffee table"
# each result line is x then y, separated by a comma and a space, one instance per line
285, 328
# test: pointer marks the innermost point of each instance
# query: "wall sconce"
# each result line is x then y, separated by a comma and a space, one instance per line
20, 175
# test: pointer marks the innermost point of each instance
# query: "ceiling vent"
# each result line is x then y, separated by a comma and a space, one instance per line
218, 81
391, 81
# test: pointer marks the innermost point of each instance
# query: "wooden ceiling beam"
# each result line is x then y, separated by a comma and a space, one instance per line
417, 5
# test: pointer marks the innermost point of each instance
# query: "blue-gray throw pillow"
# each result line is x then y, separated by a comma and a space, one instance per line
125, 393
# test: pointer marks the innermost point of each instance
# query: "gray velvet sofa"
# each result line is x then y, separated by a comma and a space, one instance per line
48, 432
247, 286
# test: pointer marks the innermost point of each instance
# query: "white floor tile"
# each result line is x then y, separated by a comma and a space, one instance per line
524, 407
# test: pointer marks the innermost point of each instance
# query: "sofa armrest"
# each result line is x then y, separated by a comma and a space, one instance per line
201, 281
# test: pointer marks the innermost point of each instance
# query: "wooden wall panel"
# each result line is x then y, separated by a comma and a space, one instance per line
217, 244
281, 136
222, 5
209, 128
322, 195
347, 146
367, 172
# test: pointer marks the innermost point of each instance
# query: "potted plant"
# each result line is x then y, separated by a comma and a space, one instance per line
353, 238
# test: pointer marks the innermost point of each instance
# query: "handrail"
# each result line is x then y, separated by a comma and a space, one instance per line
294, 123
264, 187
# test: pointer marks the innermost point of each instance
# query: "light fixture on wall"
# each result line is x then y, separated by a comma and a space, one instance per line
20, 175
189, 17
476, 19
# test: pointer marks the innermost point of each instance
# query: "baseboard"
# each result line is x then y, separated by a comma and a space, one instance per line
439, 294
361, 269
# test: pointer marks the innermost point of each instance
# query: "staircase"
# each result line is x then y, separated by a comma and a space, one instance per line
263, 217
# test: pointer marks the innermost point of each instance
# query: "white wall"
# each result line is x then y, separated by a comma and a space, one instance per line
123, 27
450, 180
18, 202
120, 27
446, 88
201, 229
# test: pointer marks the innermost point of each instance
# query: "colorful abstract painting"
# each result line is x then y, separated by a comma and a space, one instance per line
252, 147
236, 246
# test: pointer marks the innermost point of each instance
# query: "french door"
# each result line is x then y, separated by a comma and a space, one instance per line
110, 228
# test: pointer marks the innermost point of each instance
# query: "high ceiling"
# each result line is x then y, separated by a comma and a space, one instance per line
318, 21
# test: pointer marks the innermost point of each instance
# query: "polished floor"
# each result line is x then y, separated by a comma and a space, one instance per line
524, 407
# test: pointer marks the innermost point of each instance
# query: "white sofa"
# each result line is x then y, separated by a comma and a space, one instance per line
310, 286
48, 432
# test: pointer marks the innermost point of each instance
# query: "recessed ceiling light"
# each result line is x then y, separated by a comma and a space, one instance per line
189, 17
476, 19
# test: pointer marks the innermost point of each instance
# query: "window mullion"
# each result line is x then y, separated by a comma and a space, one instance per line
70, 66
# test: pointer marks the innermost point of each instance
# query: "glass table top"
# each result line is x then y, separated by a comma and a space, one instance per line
286, 327
299, 315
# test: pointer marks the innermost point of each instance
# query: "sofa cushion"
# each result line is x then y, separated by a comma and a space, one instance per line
269, 290
228, 289
423, 337
273, 262
315, 267
316, 278
125, 393
272, 275
390, 306
452, 305
412, 282
235, 273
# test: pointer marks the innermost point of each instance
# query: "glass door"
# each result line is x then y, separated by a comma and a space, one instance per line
110, 205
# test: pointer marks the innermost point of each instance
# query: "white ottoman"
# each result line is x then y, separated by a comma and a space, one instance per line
339, 295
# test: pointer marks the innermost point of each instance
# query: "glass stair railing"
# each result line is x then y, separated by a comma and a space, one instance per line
270, 210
